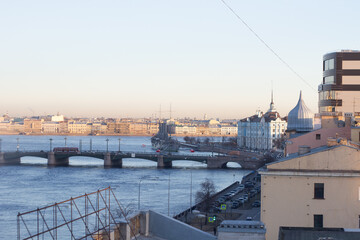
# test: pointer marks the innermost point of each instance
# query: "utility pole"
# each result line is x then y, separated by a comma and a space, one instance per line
50, 144
107, 145
169, 197
17, 145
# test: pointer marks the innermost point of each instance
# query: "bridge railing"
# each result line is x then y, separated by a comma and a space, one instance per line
115, 152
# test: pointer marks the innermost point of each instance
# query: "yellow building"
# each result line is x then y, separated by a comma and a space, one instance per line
317, 188
33, 125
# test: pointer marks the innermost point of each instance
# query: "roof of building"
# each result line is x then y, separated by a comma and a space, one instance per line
343, 158
300, 118
242, 226
305, 233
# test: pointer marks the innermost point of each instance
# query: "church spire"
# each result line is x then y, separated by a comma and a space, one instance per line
272, 105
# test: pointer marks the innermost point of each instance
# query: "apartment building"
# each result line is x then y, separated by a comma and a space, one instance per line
313, 188
339, 91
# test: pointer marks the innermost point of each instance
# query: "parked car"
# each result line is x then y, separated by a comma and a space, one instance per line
235, 205
256, 204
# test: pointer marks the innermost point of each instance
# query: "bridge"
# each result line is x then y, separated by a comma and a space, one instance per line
114, 159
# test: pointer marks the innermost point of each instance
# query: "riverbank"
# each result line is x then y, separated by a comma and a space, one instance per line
108, 134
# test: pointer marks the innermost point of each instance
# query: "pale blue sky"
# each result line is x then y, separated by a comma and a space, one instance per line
125, 58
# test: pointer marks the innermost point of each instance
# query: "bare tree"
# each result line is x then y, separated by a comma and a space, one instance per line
205, 193
125, 211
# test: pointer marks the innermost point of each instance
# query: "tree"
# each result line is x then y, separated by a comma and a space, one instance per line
205, 193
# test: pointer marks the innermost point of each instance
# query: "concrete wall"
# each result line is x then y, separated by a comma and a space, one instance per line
168, 228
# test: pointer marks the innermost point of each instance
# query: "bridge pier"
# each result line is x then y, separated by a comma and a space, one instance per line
162, 164
213, 163
53, 161
11, 161
110, 163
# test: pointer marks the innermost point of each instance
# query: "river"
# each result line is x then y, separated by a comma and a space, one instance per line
32, 184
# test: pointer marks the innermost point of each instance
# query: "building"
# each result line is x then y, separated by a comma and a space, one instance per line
241, 230
312, 188
150, 225
49, 127
186, 130
33, 125
332, 127
79, 127
300, 118
340, 88
57, 118
261, 131
301, 233
229, 130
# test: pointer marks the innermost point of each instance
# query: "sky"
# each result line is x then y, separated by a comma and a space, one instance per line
126, 58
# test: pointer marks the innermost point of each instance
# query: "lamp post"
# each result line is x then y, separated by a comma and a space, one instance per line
17, 145
190, 189
0, 144
107, 145
80, 145
119, 143
141, 179
65, 140
169, 196
50, 144
90, 145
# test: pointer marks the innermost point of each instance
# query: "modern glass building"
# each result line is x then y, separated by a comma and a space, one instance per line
339, 91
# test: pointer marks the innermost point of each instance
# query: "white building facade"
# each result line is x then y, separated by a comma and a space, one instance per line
260, 131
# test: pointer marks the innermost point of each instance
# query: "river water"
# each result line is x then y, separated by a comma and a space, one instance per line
32, 184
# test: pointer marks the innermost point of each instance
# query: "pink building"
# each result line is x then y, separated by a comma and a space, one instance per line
316, 138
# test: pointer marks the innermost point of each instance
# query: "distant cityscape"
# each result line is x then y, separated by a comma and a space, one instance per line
61, 125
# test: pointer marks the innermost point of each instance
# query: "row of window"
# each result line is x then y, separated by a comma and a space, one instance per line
327, 109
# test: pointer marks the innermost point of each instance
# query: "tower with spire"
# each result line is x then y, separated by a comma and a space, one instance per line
272, 105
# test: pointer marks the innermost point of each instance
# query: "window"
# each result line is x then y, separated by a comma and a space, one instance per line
329, 64
318, 191
318, 221
318, 136
329, 80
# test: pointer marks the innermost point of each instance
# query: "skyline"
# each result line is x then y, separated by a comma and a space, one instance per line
125, 59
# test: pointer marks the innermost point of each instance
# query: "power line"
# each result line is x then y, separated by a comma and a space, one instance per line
267, 46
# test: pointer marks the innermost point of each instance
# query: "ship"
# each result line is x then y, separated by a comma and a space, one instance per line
163, 141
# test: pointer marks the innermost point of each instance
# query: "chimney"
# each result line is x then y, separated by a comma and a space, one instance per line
303, 149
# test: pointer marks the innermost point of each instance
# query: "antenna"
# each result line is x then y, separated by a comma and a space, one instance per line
170, 111
160, 114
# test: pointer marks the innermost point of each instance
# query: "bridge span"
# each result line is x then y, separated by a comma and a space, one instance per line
114, 159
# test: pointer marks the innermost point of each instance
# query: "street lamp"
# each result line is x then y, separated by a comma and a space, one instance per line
0, 144
65, 140
17, 146
90, 145
80, 145
141, 179
119, 143
50, 143
107, 145
169, 196
190, 189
